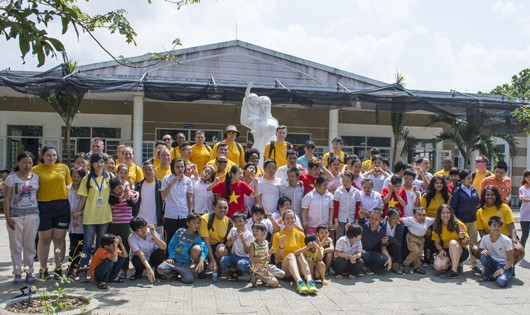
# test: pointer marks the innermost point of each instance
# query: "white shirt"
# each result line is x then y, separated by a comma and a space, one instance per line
317, 206
347, 203
147, 209
250, 200
411, 200
498, 248
378, 181
237, 247
147, 246
524, 214
371, 201
359, 181
267, 222
269, 190
76, 225
281, 172
337, 180
296, 194
343, 244
176, 200
417, 228
202, 199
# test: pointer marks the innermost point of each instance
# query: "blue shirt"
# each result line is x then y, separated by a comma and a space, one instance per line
303, 160
371, 240
180, 245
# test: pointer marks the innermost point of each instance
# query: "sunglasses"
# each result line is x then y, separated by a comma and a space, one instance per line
480, 161
167, 139
222, 162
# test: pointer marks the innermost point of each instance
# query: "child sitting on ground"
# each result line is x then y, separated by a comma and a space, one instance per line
259, 256
314, 255
327, 244
348, 253
496, 254
418, 226
238, 240
186, 251
107, 261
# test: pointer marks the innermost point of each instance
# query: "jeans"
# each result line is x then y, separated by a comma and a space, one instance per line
524, 231
374, 260
90, 230
187, 275
108, 270
240, 263
156, 258
491, 266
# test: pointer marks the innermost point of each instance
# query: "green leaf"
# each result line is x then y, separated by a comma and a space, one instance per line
56, 44
23, 43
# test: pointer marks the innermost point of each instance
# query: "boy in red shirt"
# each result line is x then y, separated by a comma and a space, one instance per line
106, 262
310, 178
394, 196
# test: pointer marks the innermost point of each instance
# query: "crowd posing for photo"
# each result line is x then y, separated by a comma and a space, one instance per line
193, 211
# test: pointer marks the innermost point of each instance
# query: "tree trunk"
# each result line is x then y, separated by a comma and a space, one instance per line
68, 124
394, 150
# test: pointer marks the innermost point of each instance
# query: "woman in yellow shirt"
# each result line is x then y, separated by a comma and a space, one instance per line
54, 209
451, 239
435, 195
135, 173
288, 247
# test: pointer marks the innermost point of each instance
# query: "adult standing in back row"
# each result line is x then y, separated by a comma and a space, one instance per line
236, 153
277, 150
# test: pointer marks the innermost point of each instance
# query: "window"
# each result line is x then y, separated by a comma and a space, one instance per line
147, 150
22, 138
24, 131
80, 139
361, 146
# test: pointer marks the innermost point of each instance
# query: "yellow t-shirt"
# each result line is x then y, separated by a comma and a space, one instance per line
325, 158
479, 177
92, 214
236, 153
294, 241
442, 173
156, 162
135, 172
436, 202
367, 166
53, 180
175, 153
161, 172
447, 236
485, 213
200, 155
279, 154
227, 169
220, 228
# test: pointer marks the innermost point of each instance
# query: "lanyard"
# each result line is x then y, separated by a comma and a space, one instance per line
100, 187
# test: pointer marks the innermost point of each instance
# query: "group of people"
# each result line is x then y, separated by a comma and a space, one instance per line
194, 210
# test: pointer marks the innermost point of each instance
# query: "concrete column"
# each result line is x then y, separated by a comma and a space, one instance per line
472, 158
138, 127
333, 126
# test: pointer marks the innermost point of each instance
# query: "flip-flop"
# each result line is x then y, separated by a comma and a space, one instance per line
31, 280
17, 280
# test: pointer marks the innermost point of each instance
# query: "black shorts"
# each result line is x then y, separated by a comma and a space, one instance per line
214, 247
463, 257
54, 214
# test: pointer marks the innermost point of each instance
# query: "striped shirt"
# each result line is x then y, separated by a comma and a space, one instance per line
122, 208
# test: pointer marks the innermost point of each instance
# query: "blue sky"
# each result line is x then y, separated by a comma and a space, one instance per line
438, 45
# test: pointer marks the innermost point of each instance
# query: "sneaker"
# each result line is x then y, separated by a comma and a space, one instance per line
360, 274
368, 271
460, 269
449, 275
301, 287
83, 277
477, 270
44, 274
31, 279
57, 274
425, 265
419, 270
311, 288
122, 275
396, 268
253, 279
135, 276
17, 280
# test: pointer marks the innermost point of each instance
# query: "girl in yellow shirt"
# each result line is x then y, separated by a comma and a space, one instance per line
450, 238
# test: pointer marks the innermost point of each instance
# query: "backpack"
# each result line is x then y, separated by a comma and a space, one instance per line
331, 155
273, 149
211, 217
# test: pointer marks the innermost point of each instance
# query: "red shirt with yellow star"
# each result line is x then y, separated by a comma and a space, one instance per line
309, 182
236, 199
393, 202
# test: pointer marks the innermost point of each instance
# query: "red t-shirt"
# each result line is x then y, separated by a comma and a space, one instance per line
393, 202
309, 182
236, 200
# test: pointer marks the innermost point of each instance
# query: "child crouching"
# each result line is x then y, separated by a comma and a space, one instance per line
187, 252
107, 261
314, 256
238, 240
260, 256
348, 252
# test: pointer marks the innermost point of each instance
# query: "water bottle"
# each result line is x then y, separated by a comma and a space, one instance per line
215, 276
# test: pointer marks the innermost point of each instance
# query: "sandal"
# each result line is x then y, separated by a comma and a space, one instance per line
103, 285
31, 279
483, 279
234, 276
117, 280
17, 280
420, 271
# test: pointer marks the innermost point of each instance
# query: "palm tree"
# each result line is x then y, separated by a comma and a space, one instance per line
66, 105
472, 134
401, 134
